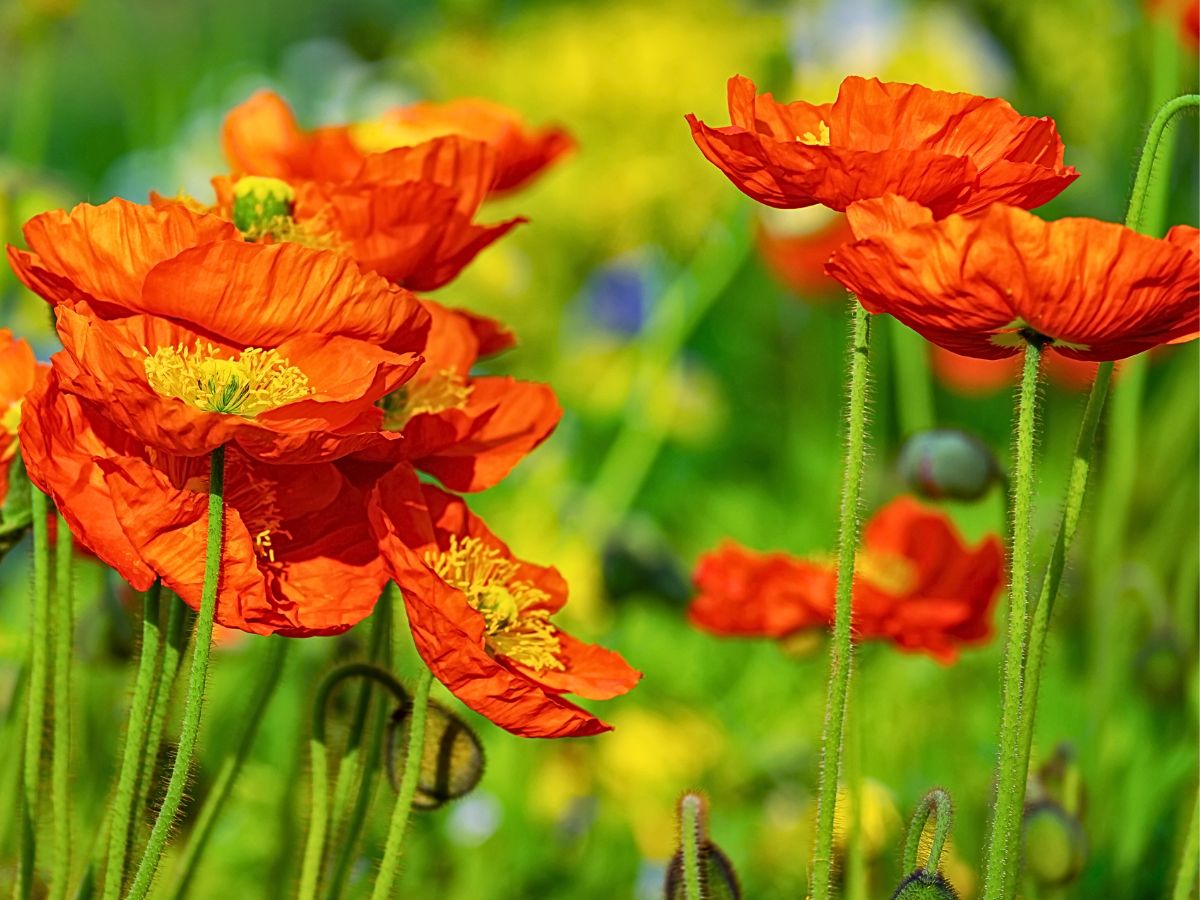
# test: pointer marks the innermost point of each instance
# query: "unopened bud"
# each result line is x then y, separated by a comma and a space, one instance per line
452, 761
922, 885
1055, 845
1162, 666
261, 205
714, 872
948, 464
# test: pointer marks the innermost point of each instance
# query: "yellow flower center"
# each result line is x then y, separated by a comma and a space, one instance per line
445, 390
389, 132
490, 582
263, 211
253, 382
890, 573
820, 139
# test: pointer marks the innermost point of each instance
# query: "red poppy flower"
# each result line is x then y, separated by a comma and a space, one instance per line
190, 341
951, 152
980, 285
18, 371
261, 137
798, 260
299, 555
916, 584
468, 431
481, 618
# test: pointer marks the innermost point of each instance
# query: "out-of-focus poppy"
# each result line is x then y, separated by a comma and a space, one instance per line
481, 618
916, 584
299, 556
974, 377
190, 338
18, 372
1184, 15
797, 258
987, 283
951, 152
261, 137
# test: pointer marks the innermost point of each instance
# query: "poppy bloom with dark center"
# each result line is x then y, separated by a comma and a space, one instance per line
987, 283
951, 152
482, 619
916, 584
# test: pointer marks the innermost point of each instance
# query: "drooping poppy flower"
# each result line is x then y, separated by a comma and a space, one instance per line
261, 137
481, 618
190, 338
18, 372
797, 258
299, 556
983, 285
916, 585
948, 151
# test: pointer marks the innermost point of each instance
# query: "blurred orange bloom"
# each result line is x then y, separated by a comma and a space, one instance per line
916, 584
798, 260
261, 137
18, 371
481, 618
1091, 290
189, 337
974, 377
299, 556
951, 152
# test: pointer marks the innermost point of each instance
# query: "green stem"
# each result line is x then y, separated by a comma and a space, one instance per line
314, 847
1150, 150
1186, 881
840, 648
913, 387
149, 673
936, 803
63, 632
231, 767
1009, 775
408, 789
197, 678
36, 721
689, 833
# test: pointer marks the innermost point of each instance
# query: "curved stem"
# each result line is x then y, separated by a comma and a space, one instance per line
408, 789
1010, 781
1187, 877
689, 834
36, 722
231, 767
935, 803
1141, 182
314, 847
63, 634
840, 648
197, 678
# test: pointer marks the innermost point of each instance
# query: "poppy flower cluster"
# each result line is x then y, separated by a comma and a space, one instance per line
279, 325
917, 584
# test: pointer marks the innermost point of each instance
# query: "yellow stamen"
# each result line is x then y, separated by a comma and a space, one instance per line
10, 423
263, 211
445, 390
820, 139
514, 628
253, 382
890, 573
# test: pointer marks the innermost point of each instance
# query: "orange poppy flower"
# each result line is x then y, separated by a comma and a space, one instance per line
916, 584
189, 341
18, 371
985, 284
798, 260
261, 137
468, 431
951, 152
299, 555
481, 618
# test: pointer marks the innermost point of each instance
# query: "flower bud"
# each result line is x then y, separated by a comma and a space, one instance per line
261, 204
922, 885
452, 761
1162, 666
1055, 845
718, 881
947, 464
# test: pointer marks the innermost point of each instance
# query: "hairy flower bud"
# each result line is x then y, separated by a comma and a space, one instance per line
948, 464
1055, 845
452, 762
716, 876
922, 885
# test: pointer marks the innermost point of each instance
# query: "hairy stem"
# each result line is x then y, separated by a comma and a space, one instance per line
62, 630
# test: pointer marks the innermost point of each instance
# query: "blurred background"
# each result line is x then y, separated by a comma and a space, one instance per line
698, 352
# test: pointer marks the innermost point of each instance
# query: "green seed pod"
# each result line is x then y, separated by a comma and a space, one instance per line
452, 763
1055, 845
947, 464
261, 205
922, 885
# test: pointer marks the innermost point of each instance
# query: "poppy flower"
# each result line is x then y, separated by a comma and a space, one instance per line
481, 618
261, 137
18, 371
190, 341
468, 431
983, 285
951, 152
797, 259
299, 557
916, 584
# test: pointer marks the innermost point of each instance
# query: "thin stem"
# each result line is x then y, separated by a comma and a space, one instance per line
408, 789
314, 847
1010, 776
840, 648
1188, 875
1141, 182
197, 678
63, 633
913, 388
689, 834
231, 767
146, 681
36, 721
936, 803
